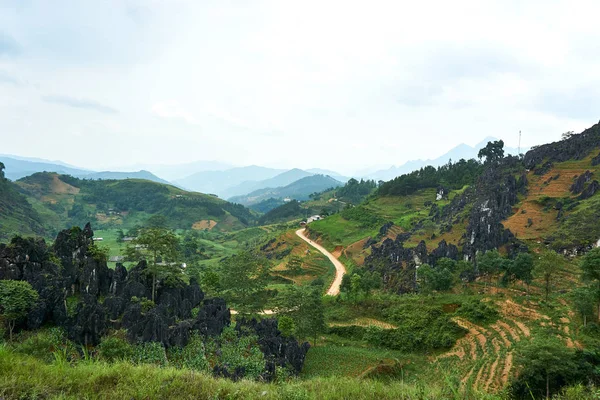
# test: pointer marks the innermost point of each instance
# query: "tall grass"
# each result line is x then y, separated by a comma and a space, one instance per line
23, 377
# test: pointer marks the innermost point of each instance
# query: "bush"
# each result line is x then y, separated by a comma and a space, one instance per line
113, 348
192, 356
47, 345
478, 311
232, 351
149, 353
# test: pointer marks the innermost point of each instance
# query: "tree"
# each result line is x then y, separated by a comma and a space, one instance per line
286, 325
157, 221
546, 267
522, 268
518, 269
489, 263
435, 279
120, 236
17, 298
304, 305
543, 361
493, 152
2, 167
294, 265
590, 267
158, 246
584, 299
243, 280
567, 135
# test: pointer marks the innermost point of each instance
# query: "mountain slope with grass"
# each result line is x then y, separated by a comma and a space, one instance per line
16, 214
63, 200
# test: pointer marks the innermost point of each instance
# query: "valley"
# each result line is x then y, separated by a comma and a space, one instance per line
457, 279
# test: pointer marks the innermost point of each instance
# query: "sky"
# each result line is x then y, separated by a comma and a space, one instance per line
343, 85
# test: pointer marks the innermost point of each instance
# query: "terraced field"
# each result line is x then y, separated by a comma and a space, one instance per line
485, 355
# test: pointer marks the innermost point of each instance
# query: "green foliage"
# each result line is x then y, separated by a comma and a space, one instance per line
355, 191
453, 176
98, 253
421, 328
17, 298
520, 269
546, 365
547, 267
192, 356
114, 348
362, 215
490, 263
237, 350
47, 344
286, 325
479, 312
294, 265
158, 246
243, 281
149, 353
584, 300
284, 212
493, 152
437, 279
304, 305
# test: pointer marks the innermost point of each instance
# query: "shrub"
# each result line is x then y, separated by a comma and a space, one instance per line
149, 353
48, 344
113, 348
192, 356
478, 311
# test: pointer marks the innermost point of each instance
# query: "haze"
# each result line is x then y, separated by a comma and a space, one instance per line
330, 84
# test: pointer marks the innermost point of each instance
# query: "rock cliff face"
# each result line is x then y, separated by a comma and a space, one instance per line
398, 265
496, 192
575, 148
81, 294
484, 206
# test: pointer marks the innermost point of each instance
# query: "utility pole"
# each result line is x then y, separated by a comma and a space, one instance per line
519, 142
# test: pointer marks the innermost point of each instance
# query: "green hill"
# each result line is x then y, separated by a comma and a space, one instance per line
16, 214
298, 190
64, 201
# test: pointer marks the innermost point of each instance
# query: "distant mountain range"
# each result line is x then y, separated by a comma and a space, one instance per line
220, 178
279, 180
20, 167
298, 190
461, 151
217, 182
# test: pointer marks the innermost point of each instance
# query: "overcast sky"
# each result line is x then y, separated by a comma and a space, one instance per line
332, 84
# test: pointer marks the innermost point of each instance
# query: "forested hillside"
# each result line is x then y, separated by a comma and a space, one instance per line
16, 214
62, 201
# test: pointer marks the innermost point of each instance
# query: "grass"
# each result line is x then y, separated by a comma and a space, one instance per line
23, 377
342, 360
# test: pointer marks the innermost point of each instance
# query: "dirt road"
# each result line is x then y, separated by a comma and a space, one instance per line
340, 270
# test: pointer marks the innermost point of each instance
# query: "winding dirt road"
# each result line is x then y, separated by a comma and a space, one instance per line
340, 270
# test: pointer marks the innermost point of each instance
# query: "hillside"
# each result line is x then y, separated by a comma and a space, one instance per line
282, 179
64, 201
298, 190
16, 214
453, 237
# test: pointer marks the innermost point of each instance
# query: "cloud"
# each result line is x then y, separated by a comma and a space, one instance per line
6, 78
8, 45
80, 103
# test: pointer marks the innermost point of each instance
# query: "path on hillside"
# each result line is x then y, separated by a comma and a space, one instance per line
340, 270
